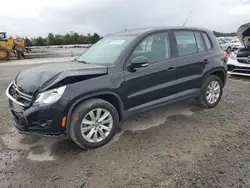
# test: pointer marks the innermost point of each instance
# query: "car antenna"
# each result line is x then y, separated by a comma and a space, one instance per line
187, 18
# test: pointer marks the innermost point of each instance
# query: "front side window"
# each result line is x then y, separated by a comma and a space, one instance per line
155, 47
186, 42
2, 36
107, 50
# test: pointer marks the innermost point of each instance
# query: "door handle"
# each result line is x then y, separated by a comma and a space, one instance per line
170, 69
206, 61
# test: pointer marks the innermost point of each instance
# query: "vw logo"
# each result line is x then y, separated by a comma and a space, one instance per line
248, 59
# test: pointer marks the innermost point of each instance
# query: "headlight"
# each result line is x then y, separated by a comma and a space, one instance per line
50, 96
232, 56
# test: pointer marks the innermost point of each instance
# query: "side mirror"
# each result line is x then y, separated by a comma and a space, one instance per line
139, 62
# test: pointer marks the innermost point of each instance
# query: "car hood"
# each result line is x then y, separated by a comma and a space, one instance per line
243, 33
42, 77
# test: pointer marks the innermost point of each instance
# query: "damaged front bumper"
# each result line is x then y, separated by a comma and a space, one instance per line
34, 119
39, 120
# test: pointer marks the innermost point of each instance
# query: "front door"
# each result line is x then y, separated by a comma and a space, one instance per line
146, 86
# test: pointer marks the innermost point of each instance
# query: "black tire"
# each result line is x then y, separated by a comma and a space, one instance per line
81, 111
202, 100
5, 52
19, 48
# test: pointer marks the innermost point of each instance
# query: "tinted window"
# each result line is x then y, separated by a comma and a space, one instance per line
186, 42
207, 41
200, 42
155, 47
2, 36
107, 50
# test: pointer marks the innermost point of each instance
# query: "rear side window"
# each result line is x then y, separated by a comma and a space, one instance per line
186, 42
200, 42
207, 41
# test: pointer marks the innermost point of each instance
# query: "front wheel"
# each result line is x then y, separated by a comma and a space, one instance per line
211, 92
94, 123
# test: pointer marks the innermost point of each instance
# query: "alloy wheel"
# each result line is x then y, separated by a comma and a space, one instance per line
96, 125
213, 92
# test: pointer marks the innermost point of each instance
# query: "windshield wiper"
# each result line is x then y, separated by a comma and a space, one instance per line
81, 61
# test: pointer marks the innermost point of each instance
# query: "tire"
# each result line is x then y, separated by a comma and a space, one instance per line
19, 48
202, 101
20, 55
81, 112
4, 53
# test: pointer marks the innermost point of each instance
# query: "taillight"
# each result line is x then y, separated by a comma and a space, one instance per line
225, 54
225, 57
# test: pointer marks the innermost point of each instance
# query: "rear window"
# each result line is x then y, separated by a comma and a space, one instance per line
207, 41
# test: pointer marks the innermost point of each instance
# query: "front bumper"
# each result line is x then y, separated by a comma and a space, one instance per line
39, 120
236, 68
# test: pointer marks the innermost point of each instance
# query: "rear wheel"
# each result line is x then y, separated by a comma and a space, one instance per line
4, 53
94, 123
211, 92
19, 48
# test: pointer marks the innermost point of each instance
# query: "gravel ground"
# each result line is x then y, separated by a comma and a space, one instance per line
176, 146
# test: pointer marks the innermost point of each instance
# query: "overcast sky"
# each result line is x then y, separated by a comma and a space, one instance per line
39, 17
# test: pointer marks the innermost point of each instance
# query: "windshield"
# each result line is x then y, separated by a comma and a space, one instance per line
106, 51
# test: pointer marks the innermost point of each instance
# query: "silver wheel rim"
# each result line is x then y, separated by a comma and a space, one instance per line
96, 125
213, 92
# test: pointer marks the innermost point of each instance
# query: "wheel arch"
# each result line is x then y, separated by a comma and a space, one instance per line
110, 97
221, 73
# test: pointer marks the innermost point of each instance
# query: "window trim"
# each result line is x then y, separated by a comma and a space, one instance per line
128, 59
192, 30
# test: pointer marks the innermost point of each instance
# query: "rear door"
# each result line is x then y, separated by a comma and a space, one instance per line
190, 60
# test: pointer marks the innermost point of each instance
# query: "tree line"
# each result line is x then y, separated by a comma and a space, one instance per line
218, 34
75, 38
58, 39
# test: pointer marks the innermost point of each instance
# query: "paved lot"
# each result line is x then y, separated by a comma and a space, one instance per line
176, 146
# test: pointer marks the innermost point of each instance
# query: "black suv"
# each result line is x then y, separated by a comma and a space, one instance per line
122, 74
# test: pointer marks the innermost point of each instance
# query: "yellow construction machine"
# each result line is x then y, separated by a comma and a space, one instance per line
10, 47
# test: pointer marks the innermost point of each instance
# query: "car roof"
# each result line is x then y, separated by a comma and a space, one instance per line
141, 31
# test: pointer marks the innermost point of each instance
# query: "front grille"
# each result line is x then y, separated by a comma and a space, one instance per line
243, 55
237, 69
19, 96
242, 71
242, 60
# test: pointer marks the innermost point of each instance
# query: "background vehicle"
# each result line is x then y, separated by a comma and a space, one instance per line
87, 98
229, 45
239, 60
11, 47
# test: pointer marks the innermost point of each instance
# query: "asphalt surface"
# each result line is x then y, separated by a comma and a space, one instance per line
179, 145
